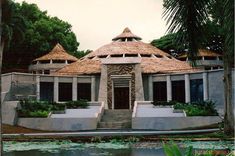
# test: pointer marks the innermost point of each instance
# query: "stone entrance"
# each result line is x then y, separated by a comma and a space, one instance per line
120, 83
121, 98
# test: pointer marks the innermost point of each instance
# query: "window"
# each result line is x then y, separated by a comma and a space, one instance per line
46, 91
44, 61
131, 55
196, 90
58, 61
159, 91
65, 91
84, 91
178, 91
46, 71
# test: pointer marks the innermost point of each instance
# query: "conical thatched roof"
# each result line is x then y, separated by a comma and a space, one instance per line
153, 60
57, 53
126, 34
202, 52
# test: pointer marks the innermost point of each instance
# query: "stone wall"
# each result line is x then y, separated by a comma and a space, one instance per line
173, 123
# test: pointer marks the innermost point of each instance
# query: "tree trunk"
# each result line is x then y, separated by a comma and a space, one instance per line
1, 52
228, 103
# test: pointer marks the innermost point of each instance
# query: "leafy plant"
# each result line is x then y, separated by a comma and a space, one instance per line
172, 149
77, 104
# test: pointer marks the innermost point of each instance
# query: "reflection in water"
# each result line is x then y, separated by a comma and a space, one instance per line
67, 148
90, 152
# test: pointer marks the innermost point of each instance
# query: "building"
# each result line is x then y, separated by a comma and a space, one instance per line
56, 59
119, 73
206, 59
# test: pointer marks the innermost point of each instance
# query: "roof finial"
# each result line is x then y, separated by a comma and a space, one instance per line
126, 34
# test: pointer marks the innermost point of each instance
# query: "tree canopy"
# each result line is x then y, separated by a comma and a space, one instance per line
41, 34
212, 38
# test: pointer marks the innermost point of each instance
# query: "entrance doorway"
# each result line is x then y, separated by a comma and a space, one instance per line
121, 97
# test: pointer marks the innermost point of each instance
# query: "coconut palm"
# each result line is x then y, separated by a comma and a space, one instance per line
12, 26
187, 17
228, 27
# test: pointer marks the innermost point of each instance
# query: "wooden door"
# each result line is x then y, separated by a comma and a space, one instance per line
121, 98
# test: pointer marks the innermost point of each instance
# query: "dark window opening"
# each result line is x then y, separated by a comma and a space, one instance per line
117, 55
46, 91
145, 55
159, 91
129, 39
46, 71
182, 59
44, 61
84, 91
220, 58
70, 61
210, 58
159, 56
58, 61
102, 56
196, 90
91, 57
178, 91
131, 55
65, 91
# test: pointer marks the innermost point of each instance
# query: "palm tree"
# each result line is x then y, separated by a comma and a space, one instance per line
12, 26
187, 17
228, 27
1, 144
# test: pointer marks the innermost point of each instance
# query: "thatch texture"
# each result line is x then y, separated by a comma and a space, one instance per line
157, 61
203, 52
57, 53
164, 65
81, 67
126, 34
127, 48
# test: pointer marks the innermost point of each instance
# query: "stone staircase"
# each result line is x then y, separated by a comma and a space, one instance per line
116, 119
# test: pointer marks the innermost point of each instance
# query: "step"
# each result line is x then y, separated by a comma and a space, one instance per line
114, 125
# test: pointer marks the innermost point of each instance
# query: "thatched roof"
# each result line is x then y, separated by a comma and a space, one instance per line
156, 65
127, 48
153, 60
126, 34
57, 53
81, 67
203, 52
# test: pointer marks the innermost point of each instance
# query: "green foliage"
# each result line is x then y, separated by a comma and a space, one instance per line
164, 103
203, 108
32, 108
41, 34
77, 104
172, 149
13, 24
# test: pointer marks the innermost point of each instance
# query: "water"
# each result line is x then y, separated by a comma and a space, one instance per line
66, 148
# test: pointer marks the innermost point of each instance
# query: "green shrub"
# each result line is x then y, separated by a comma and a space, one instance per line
77, 104
164, 103
33, 108
39, 113
202, 108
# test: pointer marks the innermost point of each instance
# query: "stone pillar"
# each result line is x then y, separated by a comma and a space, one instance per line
38, 88
75, 89
187, 88
93, 88
205, 86
150, 86
56, 89
169, 89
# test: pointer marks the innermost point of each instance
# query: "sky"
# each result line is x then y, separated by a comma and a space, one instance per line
96, 22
